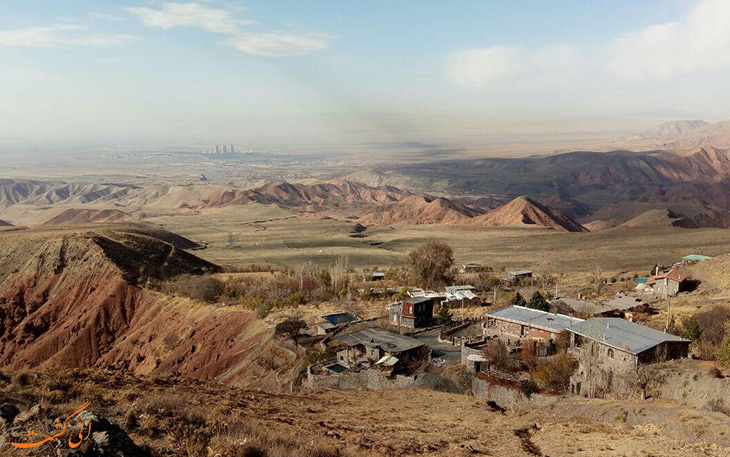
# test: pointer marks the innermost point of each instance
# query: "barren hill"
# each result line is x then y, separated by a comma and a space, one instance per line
525, 211
420, 209
660, 218
87, 216
582, 182
77, 298
686, 134
672, 130
318, 196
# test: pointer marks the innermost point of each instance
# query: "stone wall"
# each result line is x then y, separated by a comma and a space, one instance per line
509, 396
508, 328
604, 372
372, 379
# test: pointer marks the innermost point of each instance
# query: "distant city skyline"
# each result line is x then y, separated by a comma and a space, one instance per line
302, 75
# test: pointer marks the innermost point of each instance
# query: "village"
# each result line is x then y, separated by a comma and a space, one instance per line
534, 349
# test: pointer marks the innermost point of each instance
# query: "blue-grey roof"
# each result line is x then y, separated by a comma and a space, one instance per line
696, 258
376, 337
622, 334
340, 318
536, 318
520, 272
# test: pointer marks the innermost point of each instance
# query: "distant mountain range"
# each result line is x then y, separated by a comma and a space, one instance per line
369, 205
571, 191
684, 134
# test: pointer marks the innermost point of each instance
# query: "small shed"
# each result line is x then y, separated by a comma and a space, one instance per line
334, 321
516, 276
375, 276
472, 268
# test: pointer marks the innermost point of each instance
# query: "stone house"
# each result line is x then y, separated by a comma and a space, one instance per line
519, 276
527, 323
374, 345
610, 352
412, 313
670, 283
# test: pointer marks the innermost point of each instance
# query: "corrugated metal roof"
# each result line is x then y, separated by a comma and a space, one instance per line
696, 258
673, 275
454, 289
553, 322
383, 339
414, 300
520, 272
622, 334
388, 360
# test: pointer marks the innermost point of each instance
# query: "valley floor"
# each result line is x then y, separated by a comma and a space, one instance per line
236, 237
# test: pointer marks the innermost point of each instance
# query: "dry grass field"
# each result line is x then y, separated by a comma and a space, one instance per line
179, 417
257, 234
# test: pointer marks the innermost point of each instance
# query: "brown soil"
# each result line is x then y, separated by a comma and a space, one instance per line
524, 211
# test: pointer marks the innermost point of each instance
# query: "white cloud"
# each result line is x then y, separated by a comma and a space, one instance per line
189, 15
696, 44
699, 42
222, 21
105, 17
61, 35
279, 45
478, 67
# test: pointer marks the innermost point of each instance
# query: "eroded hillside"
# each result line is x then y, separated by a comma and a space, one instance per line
77, 298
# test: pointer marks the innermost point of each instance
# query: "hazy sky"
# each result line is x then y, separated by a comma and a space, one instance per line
308, 73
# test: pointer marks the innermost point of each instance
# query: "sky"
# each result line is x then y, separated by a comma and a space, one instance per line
328, 74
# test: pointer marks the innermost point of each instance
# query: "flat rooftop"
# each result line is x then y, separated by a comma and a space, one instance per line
623, 335
536, 318
340, 318
379, 338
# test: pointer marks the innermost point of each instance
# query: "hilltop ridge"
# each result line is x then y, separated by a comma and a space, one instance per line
524, 211
79, 298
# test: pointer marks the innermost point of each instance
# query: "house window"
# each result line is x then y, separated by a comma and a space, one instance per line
410, 309
578, 342
610, 352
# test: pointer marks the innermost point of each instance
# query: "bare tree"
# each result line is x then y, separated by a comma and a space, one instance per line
643, 376
292, 327
431, 264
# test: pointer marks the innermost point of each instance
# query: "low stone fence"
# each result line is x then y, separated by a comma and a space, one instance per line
447, 333
509, 396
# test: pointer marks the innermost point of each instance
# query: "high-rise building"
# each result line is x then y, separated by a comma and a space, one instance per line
225, 149
216, 149
232, 150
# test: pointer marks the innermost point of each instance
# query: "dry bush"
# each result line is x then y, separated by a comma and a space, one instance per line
498, 356
307, 283
246, 440
715, 373
528, 353
23, 378
202, 288
553, 374
718, 405
712, 324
